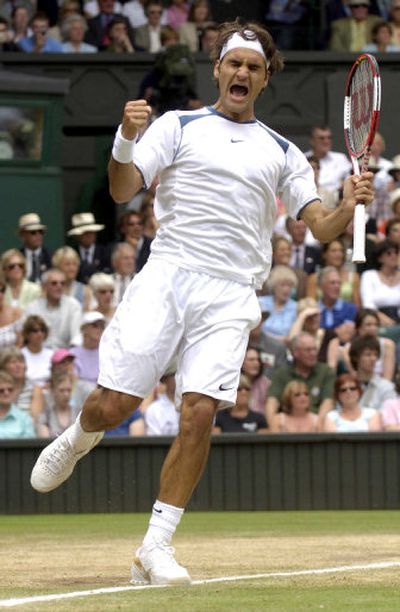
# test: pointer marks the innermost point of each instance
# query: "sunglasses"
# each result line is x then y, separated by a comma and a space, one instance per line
54, 283
16, 264
5, 390
344, 389
33, 232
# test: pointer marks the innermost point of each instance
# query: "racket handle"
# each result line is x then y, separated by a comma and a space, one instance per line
359, 234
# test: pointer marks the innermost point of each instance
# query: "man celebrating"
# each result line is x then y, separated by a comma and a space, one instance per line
220, 170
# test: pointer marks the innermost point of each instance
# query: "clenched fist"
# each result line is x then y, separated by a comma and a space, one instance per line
136, 114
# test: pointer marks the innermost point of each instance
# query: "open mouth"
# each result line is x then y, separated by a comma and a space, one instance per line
239, 91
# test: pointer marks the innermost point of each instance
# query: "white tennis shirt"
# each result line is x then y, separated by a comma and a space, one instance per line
216, 201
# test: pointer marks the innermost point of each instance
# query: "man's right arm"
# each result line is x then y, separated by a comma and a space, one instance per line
125, 181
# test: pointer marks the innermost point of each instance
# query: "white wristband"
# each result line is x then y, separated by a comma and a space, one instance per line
122, 150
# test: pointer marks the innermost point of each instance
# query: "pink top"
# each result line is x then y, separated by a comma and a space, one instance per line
390, 413
176, 17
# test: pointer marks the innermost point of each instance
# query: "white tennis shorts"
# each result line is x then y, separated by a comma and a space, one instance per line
168, 312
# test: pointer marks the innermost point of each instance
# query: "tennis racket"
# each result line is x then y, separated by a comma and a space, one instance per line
362, 103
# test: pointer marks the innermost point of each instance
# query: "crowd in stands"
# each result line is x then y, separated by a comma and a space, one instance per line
90, 26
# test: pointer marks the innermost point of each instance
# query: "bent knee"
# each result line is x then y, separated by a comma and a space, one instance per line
197, 413
117, 406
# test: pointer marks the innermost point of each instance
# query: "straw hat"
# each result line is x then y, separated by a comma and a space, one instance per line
396, 165
84, 222
394, 197
30, 222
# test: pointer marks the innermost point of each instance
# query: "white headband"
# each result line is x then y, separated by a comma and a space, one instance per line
236, 41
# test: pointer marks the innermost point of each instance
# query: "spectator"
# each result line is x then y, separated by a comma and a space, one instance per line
271, 350
177, 13
62, 313
162, 415
14, 423
98, 33
135, 11
395, 22
123, 264
58, 412
318, 377
208, 38
27, 396
333, 254
148, 36
240, 418
304, 257
394, 173
336, 314
10, 321
282, 256
6, 37
68, 262
37, 356
395, 202
94, 257
191, 32
390, 413
281, 281
40, 41
92, 8
253, 368
354, 32
150, 223
351, 416
329, 197
334, 166
381, 34
19, 291
118, 35
103, 289
87, 355
130, 227
73, 31
296, 415
38, 260
380, 288
63, 361
285, 22
309, 320
364, 352
392, 232
20, 18
67, 9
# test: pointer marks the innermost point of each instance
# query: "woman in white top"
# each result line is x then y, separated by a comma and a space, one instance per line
67, 260
19, 291
350, 417
10, 321
296, 416
37, 356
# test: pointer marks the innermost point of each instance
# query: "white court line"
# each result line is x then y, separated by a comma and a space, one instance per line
9, 603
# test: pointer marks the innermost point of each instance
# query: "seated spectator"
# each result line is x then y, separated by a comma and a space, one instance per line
309, 320
135, 11
364, 353
10, 321
208, 39
333, 254
14, 423
281, 307
366, 324
351, 415
190, 33
329, 197
177, 13
390, 412
150, 223
334, 167
98, 33
63, 361
395, 202
20, 18
162, 415
123, 264
381, 35
271, 350
73, 32
252, 368
394, 182
37, 356
296, 415
69, 8
132, 426
148, 36
240, 418
304, 256
130, 228
394, 19
67, 261
19, 291
354, 32
6, 37
91, 8
61, 313
103, 288
392, 231
37, 257
380, 288
281, 256
58, 412
318, 377
118, 35
336, 314
27, 396
40, 41
87, 355
94, 257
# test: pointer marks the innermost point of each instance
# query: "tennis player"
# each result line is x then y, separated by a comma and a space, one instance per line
220, 170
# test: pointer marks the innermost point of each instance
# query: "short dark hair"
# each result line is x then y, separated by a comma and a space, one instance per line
33, 322
362, 314
359, 345
382, 247
391, 222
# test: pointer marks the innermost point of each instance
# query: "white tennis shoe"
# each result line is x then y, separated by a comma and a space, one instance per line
156, 564
56, 463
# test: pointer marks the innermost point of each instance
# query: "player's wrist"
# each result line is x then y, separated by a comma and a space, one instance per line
123, 148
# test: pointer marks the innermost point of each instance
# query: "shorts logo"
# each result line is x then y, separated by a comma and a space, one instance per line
224, 388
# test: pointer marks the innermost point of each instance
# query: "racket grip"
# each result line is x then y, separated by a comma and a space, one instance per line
359, 234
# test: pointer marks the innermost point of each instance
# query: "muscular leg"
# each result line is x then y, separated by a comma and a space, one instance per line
188, 454
105, 409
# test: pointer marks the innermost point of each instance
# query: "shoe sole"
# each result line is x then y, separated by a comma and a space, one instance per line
140, 576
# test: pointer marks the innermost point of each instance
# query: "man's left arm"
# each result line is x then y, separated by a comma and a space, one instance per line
326, 224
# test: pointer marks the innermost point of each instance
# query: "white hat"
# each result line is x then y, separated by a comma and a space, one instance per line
30, 222
396, 165
394, 197
84, 222
92, 317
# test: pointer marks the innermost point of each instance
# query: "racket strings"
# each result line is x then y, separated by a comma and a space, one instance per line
361, 106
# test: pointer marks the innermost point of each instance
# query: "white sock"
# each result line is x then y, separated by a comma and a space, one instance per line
163, 522
80, 439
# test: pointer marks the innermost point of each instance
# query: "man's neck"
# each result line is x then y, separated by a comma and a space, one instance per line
364, 376
52, 303
302, 370
328, 302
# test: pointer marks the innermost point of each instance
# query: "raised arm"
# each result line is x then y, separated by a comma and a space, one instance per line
325, 224
125, 178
